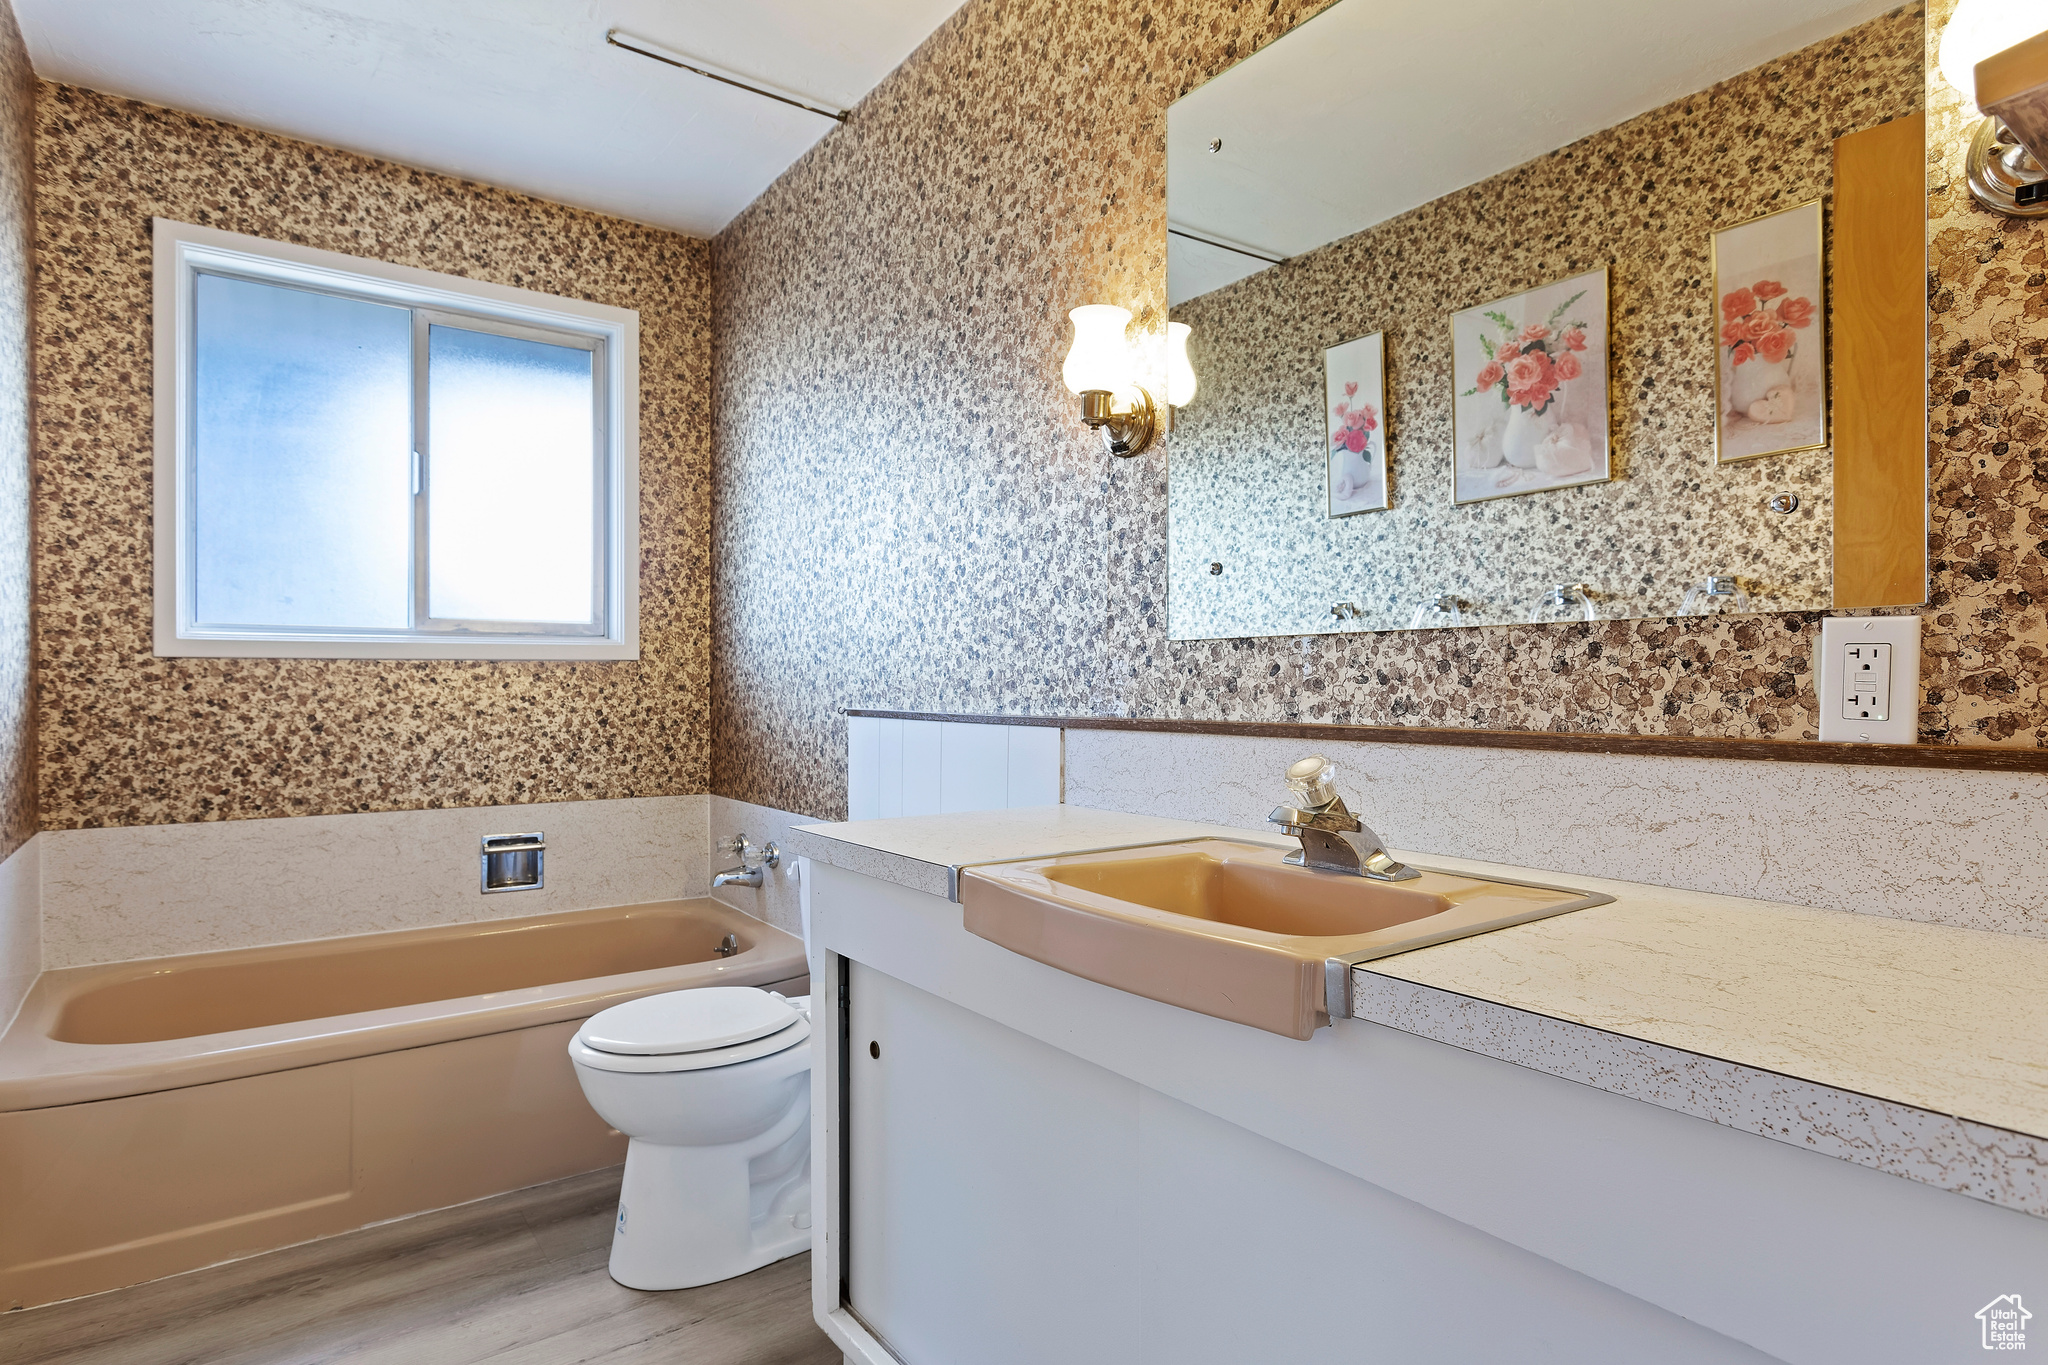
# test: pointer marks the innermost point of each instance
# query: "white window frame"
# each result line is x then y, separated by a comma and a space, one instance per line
183, 251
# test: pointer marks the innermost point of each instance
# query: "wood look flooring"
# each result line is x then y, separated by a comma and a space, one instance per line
515, 1280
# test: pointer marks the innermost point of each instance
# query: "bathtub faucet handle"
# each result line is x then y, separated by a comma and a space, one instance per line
749, 853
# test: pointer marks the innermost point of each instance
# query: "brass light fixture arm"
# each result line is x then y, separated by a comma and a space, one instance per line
2005, 162
1125, 433
2003, 176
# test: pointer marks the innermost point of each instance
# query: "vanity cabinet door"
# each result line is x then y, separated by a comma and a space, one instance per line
1011, 1204
992, 1188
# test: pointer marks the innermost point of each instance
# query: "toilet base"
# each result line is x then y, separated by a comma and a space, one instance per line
696, 1215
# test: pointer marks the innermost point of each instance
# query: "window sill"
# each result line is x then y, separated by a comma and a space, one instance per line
409, 647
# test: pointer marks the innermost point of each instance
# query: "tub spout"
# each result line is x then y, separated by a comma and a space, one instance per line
754, 863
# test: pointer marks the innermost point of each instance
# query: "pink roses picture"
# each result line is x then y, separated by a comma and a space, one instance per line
1530, 365
1355, 399
1770, 370
1760, 323
1531, 405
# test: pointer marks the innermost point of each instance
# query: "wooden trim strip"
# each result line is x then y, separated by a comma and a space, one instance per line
1977, 758
1880, 390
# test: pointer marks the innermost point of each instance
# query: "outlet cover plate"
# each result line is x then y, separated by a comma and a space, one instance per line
1902, 706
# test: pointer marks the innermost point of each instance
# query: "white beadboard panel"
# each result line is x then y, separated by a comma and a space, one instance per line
21, 926
1034, 765
863, 768
974, 767
899, 768
923, 767
140, 891
889, 737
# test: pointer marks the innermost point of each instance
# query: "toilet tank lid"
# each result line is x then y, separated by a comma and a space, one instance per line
687, 1021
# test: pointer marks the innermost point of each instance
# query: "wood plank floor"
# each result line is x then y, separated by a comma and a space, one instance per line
515, 1280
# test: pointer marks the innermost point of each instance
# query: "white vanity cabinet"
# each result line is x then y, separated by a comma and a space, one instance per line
1017, 1167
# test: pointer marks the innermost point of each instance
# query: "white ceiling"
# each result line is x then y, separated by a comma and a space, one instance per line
1375, 107
524, 94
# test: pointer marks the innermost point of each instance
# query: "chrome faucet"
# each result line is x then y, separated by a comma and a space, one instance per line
1332, 838
752, 862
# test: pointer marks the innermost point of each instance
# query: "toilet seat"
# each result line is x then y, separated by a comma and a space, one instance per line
690, 1061
689, 1030
688, 1021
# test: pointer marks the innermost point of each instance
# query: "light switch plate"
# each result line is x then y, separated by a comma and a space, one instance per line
1868, 694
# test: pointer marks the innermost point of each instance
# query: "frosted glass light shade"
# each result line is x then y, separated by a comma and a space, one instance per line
1180, 375
1983, 28
1099, 359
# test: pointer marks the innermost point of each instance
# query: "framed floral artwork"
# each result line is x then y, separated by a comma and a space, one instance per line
1355, 406
1530, 410
1771, 361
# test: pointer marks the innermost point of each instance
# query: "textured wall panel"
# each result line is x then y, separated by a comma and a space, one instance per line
1987, 636
908, 512
911, 517
241, 883
129, 739
17, 216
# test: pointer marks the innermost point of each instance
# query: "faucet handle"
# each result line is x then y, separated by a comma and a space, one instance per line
751, 854
1314, 780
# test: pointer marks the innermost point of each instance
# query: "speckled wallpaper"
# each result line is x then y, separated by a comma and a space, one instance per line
17, 674
126, 738
1248, 455
1987, 628
910, 516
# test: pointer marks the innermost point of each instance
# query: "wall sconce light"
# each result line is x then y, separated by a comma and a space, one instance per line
1996, 52
1180, 375
1098, 370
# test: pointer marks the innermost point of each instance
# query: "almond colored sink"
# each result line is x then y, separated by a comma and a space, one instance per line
1229, 929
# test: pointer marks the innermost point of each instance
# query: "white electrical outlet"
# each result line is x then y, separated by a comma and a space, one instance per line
1870, 679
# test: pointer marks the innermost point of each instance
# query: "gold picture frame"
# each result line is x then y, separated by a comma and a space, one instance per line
1771, 250
1513, 448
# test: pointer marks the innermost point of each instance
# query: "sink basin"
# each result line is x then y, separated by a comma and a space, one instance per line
1231, 930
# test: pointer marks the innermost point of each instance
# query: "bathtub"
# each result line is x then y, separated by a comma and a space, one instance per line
162, 1115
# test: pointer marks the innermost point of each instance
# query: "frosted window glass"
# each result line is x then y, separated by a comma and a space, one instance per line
303, 458
511, 442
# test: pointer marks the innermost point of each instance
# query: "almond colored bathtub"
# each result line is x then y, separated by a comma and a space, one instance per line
162, 1115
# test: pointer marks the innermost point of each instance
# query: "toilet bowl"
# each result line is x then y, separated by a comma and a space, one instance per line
713, 1089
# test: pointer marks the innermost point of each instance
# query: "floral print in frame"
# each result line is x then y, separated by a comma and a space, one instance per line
1530, 411
1355, 406
1770, 371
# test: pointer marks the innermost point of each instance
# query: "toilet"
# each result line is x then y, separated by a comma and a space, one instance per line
713, 1088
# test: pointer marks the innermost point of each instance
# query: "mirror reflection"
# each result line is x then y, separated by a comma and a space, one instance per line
1570, 323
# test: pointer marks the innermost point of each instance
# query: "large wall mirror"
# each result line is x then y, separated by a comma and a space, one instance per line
1501, 313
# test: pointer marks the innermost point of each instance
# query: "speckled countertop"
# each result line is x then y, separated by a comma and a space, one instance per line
926, 852
1917, 1049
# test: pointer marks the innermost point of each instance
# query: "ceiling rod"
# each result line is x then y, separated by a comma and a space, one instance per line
1226, 246
647, 49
